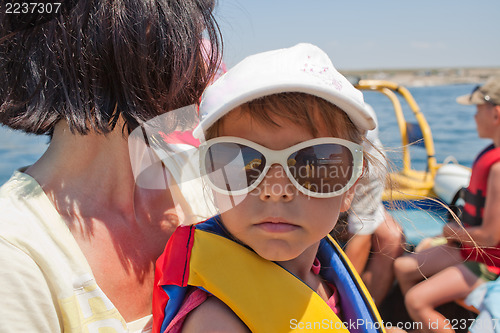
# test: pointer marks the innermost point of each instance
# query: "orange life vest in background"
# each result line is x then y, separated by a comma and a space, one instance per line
475, 194
475, 198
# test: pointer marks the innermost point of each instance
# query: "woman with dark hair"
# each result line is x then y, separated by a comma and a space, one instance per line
78, 237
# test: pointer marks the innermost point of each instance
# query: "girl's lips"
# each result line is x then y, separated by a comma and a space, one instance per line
276, 225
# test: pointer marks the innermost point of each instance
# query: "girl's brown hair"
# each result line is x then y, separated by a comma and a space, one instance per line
300, 108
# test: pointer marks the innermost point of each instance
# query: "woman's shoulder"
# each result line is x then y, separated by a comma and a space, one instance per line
24, 205
20, 185
18, 203
30, 222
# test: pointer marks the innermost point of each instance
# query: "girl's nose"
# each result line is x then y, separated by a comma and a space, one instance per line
276, 186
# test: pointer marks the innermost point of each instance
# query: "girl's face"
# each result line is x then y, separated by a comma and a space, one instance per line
275, 219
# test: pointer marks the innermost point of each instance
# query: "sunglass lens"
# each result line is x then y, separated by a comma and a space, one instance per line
324, 168
232, 166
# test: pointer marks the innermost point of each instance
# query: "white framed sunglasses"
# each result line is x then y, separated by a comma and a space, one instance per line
320, 168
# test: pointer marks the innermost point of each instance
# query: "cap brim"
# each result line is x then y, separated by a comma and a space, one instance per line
475, 98
464, 100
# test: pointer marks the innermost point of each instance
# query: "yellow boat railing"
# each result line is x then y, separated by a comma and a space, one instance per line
407, 183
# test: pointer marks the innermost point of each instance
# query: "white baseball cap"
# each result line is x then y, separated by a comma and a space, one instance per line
302, 68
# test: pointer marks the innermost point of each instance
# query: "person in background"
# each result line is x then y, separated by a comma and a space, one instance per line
78, 237
472, 255
375, 238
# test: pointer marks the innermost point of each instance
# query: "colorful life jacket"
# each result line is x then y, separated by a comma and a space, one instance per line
475, 194
265, 296
475, 198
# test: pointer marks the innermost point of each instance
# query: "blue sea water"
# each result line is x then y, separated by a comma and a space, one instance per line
18, 149
452, 126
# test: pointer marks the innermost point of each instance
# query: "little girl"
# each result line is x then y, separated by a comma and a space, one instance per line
281, 135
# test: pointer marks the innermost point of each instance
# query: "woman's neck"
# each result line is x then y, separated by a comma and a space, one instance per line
86, 172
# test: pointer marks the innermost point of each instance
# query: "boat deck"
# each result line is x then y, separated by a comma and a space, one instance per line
418, 218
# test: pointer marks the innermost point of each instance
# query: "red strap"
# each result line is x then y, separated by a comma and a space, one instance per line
177, 268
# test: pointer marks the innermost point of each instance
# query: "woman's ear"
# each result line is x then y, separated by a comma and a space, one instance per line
347, 200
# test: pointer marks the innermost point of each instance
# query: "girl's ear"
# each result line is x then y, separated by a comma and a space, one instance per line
347, 200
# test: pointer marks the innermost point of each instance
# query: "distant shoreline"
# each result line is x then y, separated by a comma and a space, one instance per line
428, 77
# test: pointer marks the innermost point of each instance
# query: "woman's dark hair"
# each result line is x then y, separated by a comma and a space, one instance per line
97, 60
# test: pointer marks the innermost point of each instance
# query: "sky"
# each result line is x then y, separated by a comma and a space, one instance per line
369, 34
